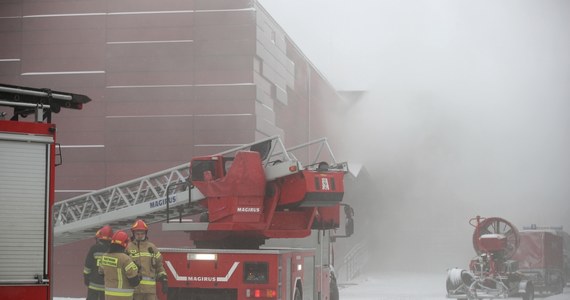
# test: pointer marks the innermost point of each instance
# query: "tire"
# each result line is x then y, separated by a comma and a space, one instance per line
529, 292
454, 282
449, 286
559, 289
333, 290
298, 295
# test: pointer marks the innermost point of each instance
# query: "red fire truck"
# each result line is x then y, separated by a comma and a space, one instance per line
245, 203
27, 169
262, 220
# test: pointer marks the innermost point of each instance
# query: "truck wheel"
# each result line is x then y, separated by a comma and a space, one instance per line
333, 290
559, 288
298, 295
529, 292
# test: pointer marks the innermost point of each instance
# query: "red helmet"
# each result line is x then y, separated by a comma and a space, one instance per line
120, 238
105, 233
139, 225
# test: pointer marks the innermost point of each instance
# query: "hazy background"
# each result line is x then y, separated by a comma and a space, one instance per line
466, 112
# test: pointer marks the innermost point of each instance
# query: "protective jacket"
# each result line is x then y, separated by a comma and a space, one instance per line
148, 258
121, 275
91, 275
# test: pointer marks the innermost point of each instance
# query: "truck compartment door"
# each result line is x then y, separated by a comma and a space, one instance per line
24, 197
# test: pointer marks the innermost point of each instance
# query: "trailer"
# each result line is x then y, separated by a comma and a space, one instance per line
28, 156
559, 231
541, 259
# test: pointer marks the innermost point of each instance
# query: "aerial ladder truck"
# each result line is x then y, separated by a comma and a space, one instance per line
262, 219
28, 156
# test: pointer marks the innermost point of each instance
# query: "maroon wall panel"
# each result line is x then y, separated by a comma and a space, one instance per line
157, 20
169, 80
79, 175
31, 24
11, 37
63, 7
224, 17
11, 44
149, 34
222, 4
149, 5
225, 32
65, 82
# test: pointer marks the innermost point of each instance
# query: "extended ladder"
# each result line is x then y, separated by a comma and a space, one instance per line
80, 217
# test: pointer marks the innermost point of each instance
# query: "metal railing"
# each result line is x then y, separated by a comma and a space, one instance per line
353, 262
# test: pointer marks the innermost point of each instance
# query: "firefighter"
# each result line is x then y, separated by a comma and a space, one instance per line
91, 277
120, 272
149, 260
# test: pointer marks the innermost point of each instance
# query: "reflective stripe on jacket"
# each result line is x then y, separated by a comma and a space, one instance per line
90, 269
96, 286
119, 292
117, 269
148, 258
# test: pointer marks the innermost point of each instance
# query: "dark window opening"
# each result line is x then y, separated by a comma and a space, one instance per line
201, 167
255, 272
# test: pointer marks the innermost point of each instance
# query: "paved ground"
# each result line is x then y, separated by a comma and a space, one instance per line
399, 286
407, 286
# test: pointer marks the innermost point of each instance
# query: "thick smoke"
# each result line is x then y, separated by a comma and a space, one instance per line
466, 112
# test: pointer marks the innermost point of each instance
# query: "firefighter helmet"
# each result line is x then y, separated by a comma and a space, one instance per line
139, 225
120, 238
105, 233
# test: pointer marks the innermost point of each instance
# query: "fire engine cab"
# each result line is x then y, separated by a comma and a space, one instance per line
27, 168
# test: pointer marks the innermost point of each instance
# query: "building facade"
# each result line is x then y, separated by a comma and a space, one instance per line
169, 80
